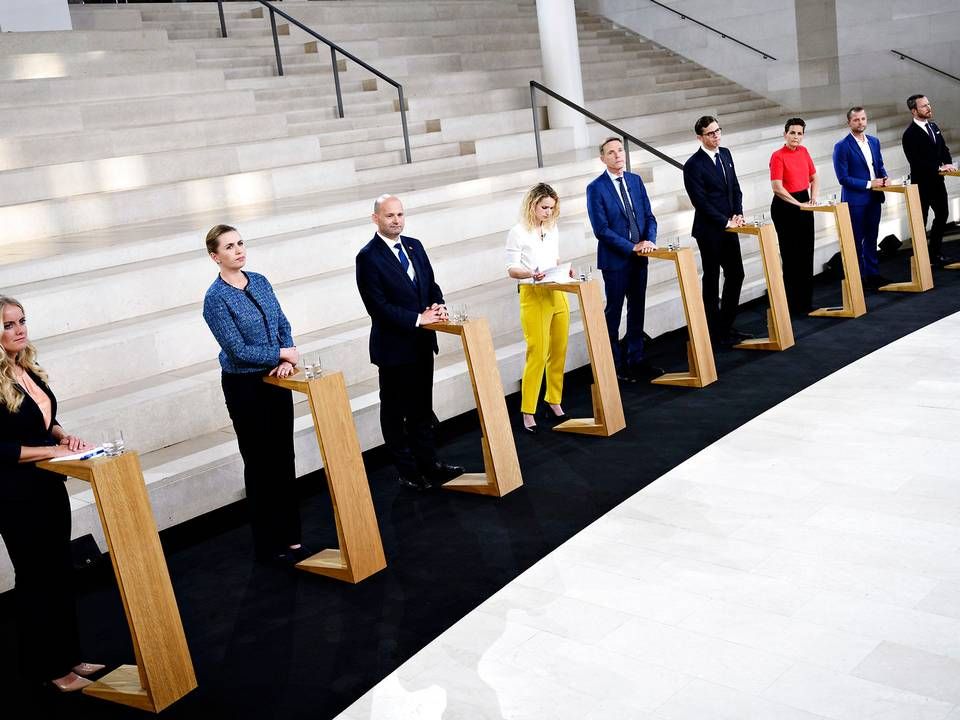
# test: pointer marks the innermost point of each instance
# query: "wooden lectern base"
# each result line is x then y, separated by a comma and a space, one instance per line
772, 342
122, 686
596, 425
847, 310
330, 563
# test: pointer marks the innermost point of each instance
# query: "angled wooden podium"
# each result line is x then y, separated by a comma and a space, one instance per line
851, 287
164, 671
703, 369
501, 467
360, 554
607, 406
779, 327
921, 277
951, 173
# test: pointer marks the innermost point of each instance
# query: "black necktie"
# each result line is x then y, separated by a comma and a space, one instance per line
719, 164
930, 133
404, 263
631, 216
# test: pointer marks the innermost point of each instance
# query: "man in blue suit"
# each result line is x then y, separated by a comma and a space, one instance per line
626, 230
711, 182
859, 167
398, 289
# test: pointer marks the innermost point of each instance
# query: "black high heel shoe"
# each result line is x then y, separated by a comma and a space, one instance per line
549, 414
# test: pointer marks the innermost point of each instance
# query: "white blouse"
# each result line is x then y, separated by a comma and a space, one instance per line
525, 249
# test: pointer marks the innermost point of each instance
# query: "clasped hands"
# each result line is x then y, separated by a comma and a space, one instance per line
289, 357
644, 247
434, 314
736, 221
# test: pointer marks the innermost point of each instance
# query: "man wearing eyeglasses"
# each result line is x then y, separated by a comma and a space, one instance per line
711, 182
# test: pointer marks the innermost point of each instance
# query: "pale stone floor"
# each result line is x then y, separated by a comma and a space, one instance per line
803, 567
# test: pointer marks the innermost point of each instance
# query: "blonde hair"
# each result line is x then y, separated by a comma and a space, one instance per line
10, 395
534, 195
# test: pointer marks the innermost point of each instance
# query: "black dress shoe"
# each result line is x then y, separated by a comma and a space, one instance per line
441, 472
414, 482
301, 553
644, 371
623, 374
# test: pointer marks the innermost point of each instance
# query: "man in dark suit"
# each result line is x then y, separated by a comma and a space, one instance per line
859, 167
927, 153
711, 182
398, 289
626, 230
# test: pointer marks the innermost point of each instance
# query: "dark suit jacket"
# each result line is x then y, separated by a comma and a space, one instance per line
924, 156
609, 219
853, 173
714, 201
394, 301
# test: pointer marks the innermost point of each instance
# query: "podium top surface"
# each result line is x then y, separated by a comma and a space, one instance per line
80, 469
572, 287
892, 188
954, 173
447, 327
821, 208
746, 229
298, 381
665, 254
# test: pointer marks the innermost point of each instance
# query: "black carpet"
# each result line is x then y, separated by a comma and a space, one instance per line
269, 643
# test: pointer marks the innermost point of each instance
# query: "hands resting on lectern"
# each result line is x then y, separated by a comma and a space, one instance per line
434, 314
644, 247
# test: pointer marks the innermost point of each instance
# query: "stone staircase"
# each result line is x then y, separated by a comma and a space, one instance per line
120, 147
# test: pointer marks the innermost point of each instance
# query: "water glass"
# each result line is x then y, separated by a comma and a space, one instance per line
673, 243
835, 198
580, 273
589, 272
311, 365
113, 442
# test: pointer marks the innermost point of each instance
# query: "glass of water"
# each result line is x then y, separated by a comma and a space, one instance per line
311, 365
673, 242
835, 198
113, 444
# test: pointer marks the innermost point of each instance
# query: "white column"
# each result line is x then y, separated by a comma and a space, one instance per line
21, 15
560, 52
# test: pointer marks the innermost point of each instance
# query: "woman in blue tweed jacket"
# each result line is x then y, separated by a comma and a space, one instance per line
244, 316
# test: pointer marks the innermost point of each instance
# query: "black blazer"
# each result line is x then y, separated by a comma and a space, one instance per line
394, 301
714, 200
924, 156
25, 427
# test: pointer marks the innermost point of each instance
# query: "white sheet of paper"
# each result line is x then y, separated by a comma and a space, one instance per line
558, 274
84, 455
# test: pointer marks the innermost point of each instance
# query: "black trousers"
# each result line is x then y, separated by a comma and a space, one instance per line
262, 417
406, 415
719, 249
35, 526
795, 232
933, 195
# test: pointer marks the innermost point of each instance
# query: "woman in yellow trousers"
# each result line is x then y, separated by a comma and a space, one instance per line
533, 246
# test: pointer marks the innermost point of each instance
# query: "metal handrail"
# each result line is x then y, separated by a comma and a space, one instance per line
627, 137
904, 56
684, 16
334, 49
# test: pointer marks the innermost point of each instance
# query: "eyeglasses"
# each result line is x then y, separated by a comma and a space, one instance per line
713, 133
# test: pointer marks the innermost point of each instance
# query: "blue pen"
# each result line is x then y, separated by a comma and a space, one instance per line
92, 453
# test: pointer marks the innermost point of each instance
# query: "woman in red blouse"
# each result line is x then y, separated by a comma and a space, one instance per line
795, 183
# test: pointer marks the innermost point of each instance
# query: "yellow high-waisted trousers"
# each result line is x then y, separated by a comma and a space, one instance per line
545, 319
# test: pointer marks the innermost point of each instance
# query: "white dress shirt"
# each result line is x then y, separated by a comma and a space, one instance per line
411, 273
616, 186
527, 250
868, 156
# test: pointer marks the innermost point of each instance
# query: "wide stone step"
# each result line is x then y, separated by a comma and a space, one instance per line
29, 66
76, 41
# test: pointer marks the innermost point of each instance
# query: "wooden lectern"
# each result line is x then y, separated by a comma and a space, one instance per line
921, 278
703, 370
953, 173
779, 327
360, 554
164, 671
607, 407
851, 287
501, 466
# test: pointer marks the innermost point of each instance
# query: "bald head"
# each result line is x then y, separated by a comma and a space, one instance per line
388, 216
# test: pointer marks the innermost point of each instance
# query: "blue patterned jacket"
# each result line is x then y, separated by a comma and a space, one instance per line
248, 324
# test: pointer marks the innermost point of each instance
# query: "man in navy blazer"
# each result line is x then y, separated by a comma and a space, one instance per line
398, 289
859, 167
711, 182
927, 153
626, 230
